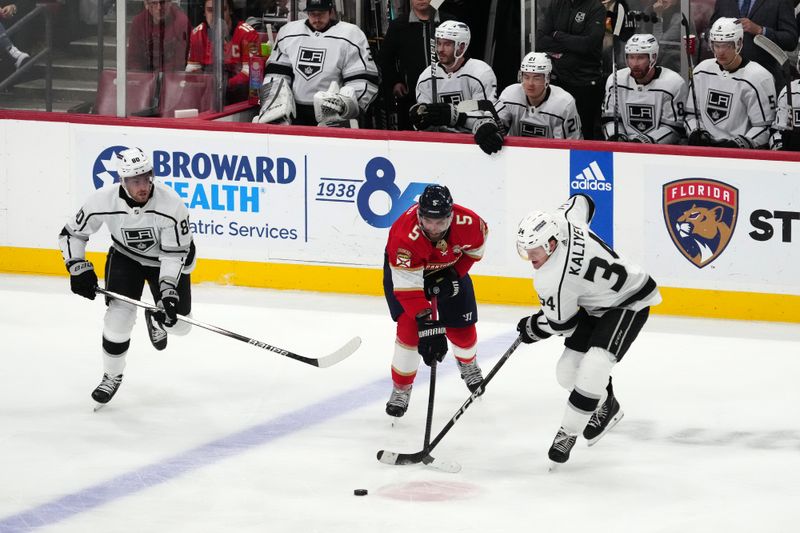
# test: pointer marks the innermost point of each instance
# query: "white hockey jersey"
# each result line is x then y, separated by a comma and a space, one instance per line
733, 104
584, 272
781, 123
653, 111
475, 80
555, 118
156, 234
311, 60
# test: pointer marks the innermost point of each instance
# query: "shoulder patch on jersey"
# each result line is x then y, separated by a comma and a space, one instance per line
403, 258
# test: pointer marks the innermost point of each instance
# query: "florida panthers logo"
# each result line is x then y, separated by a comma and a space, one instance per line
701, 216
718, 105
310, 61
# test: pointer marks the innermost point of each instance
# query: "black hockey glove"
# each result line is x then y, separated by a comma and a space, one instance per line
619, 138
432, 341
424, 116
529, 332
641, 138
168, 305
736, 142
442, 283
82, 278
488, 136
700, 138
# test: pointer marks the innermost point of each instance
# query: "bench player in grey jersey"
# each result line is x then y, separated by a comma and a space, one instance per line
534, 108
151, 241
592, 296
786, 127
457, 79
650, 100
321, 70
735, 96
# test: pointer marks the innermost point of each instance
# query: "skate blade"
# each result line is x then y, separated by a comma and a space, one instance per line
614, 421
554, 466
98, 406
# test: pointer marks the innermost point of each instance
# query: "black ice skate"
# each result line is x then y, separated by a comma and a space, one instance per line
562, 445
471, 374
398, 402
603, 419
155, 329
107, 388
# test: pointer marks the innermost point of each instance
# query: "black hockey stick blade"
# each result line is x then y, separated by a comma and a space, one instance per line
322, 362
769, 46
393, 458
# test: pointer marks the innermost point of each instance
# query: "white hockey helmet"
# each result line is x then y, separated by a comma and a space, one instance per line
643, 43
133, 162
726, 30
455, 31
536, 63
536, 229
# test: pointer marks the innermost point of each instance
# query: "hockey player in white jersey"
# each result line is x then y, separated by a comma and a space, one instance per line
458, 79
786, 127
646, 105
735, 96
320, 72
534, 108
151, 241
592, 296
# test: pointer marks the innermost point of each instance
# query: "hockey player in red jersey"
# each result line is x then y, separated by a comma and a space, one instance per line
430, 250
238, 42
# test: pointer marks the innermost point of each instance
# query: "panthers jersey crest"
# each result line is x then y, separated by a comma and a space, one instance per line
701, 215
310, 61
718, 105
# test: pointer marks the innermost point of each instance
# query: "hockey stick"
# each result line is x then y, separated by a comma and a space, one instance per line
685, 24
779, 55
432, 390
435, 5
322, 362
619, 21
424, 455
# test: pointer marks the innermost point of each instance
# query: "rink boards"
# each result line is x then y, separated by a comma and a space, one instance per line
299, 211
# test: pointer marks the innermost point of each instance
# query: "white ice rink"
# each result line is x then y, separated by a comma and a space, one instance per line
214, 435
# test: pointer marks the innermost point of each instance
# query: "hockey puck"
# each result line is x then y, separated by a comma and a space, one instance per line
360, 492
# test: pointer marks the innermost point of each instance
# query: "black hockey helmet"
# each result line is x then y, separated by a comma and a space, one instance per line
319, 5
435, 202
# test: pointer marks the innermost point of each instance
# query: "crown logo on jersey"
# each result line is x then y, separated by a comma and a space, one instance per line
701, 215
310, 61
641, 117
718, 105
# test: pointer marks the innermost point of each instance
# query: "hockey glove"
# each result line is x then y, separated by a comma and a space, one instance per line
432, 341
641, 138
168, 305
529, 331
700, 138
619, 138
442, 283
488, 136
736, 142
82, 278
424, 116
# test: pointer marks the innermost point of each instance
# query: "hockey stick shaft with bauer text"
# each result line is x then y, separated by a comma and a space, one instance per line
322, 362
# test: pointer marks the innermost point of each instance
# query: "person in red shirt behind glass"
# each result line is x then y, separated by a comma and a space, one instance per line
159, 37
239, 39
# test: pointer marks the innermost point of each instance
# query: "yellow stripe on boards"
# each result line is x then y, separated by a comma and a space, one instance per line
489, 289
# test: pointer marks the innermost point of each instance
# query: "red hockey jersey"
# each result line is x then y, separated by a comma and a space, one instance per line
411, 254
237, 52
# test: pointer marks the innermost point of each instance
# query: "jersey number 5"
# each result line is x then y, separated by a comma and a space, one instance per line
608, 269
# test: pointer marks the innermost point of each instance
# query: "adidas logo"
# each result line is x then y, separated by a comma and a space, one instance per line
591, 179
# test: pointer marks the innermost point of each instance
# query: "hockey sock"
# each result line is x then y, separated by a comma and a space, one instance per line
590, 386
